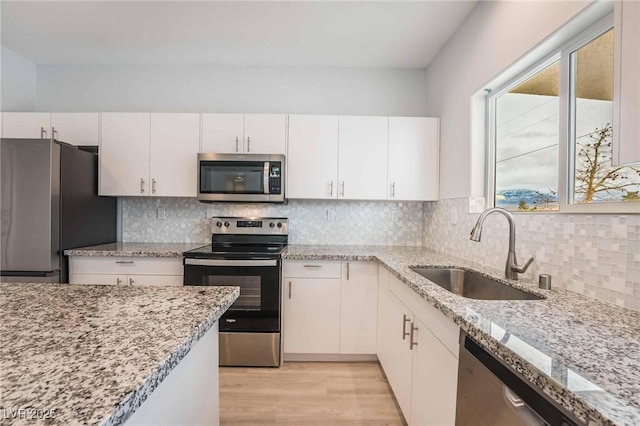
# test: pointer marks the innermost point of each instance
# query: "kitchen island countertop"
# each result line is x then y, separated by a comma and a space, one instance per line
95, 353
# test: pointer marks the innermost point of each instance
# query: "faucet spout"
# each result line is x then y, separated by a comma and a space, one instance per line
512, 268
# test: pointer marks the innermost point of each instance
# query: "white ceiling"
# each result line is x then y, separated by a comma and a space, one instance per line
334, 34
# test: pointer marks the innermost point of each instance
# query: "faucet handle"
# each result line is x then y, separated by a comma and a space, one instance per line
522, 269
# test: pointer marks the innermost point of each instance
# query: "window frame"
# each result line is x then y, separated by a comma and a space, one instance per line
566, 142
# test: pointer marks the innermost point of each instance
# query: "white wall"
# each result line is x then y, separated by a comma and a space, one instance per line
232, 89
492, 38
18, 82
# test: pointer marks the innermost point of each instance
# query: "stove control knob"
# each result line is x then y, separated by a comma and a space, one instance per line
219, 224
279, 224
226, 224
272, 225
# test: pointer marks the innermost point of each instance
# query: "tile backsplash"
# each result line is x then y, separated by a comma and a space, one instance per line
596, 255
310, 221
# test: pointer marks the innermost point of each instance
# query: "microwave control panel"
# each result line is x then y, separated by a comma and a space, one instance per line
275, 177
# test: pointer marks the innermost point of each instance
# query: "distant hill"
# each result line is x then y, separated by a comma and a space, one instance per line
513, 197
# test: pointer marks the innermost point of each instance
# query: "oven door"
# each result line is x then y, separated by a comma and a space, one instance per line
257, 309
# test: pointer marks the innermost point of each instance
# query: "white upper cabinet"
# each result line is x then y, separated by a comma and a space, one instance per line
312, 160
175, 140
26, 125
265, 133
244, 133
362, 154
223, 133
77, 128
626, 131
124, 154
413, 158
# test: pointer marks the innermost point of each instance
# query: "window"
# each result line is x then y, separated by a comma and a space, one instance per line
551, 133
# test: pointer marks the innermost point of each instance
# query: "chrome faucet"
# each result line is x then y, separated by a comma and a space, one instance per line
512, 269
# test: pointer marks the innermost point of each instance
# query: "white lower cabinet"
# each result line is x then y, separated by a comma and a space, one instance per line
434, 380
418, 353
330, 307
358, 308
311, 317
133, 271
395, 324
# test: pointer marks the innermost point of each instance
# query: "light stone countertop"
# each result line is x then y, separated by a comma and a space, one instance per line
95, 353
135, 249
583, 353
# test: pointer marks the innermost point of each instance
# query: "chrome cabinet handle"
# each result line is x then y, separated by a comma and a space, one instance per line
124, 262
153, 186
141, 186
248, 144
43, 133
131, 282
342, 189
289, 289
118, 281
405, 320
312, 266
54, 132
347, 271
237, 145
411, 342
393, 190
331, 188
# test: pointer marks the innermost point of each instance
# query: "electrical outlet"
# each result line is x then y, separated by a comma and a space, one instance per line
331, 214
162, 213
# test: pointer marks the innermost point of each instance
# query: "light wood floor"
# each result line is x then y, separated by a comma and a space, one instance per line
308, 393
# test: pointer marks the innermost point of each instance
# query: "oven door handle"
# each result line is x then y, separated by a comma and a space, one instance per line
219, 262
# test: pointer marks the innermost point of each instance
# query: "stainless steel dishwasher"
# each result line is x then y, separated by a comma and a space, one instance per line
491, 394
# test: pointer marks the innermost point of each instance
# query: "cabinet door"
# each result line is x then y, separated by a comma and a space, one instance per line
413, 158
362, 158
383, 315
77, 128
358, 308
175, 140
124, 154
265, 133
155, 280
398, 356
223, 133
311, 317
26, 125
626, 132
98, 279
435, 381
312, 157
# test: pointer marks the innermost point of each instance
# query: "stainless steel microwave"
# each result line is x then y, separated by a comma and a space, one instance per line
241, 178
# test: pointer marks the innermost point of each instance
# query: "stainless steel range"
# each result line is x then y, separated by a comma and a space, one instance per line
245, 252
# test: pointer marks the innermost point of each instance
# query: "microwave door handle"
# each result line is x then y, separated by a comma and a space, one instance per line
265, 182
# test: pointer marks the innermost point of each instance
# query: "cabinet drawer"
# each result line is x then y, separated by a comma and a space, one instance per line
125, 265
312, 269
442, 327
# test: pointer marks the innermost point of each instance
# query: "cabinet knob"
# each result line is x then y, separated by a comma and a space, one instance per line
141, 186
131, 282
153, 186
248, 144
118, 281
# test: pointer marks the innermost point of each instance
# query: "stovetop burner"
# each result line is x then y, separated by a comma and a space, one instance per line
244, 238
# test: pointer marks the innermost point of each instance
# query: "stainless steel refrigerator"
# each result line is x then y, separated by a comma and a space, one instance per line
49, 203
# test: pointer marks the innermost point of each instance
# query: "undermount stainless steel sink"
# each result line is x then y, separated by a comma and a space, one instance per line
473, 285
